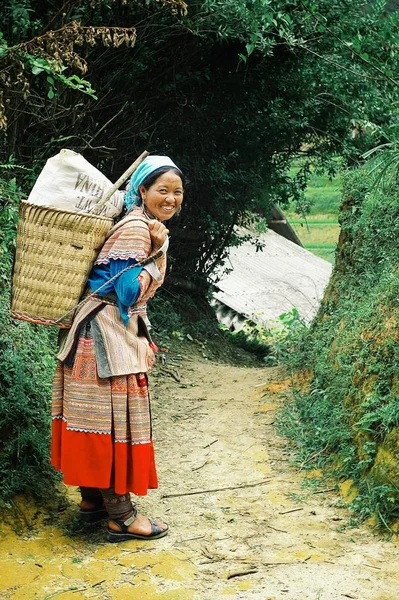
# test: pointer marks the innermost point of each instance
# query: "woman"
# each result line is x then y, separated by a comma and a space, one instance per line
102, 440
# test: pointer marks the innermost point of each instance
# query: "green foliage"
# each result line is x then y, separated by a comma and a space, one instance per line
182, 316
322, 194
377, 502
316, 222
272, 343
384, 163
54, 74
257, 83
251, 338
26, 366
348, 420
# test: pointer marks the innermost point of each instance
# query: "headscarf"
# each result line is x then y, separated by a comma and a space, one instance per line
148, 166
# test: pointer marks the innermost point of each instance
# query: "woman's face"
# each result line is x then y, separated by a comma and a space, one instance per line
163, 199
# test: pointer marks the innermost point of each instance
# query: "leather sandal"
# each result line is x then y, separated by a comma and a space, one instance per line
124, 534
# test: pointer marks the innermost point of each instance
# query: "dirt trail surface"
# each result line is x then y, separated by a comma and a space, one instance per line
246, 528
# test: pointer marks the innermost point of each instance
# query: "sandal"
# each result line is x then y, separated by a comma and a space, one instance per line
124, 534
92, 515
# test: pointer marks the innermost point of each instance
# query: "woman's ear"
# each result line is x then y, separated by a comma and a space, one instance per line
142, 191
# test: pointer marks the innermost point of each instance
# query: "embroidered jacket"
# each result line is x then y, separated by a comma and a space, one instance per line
120, 349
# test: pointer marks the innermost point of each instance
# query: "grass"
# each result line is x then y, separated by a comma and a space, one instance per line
344, 416
315, 221
319, 230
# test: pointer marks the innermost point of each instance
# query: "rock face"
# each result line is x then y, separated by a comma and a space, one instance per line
351, 414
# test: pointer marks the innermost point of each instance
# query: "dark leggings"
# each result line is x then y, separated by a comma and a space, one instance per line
118, 506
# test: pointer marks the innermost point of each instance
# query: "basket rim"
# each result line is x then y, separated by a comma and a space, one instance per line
68, 212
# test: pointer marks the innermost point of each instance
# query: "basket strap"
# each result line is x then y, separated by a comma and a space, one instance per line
152, 257
97, 208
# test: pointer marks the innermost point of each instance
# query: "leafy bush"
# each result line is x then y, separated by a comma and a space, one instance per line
26, 367
270, 343
346, 418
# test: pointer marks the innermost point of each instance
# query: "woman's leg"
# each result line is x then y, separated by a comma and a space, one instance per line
92, 505
119, 506
125, 522
90, 496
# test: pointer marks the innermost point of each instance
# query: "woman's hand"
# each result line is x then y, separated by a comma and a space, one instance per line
150, 358
158, 233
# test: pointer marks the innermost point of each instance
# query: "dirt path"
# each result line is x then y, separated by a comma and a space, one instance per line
272, 540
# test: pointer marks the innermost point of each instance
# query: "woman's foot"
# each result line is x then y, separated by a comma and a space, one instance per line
135, 526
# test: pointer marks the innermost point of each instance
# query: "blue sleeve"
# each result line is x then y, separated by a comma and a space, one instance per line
127, 286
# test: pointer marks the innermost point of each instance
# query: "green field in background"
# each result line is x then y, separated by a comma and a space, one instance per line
319, 230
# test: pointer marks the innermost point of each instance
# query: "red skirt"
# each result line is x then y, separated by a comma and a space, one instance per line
101, 431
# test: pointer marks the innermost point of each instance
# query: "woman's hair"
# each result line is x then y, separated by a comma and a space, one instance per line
151, 179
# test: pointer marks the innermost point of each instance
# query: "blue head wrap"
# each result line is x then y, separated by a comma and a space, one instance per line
148, 166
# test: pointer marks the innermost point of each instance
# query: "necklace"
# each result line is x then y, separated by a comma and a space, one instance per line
147, 213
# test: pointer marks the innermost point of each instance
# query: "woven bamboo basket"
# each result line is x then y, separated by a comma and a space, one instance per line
55, 251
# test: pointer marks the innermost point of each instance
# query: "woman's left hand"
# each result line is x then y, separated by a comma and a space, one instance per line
150, 358
158, 233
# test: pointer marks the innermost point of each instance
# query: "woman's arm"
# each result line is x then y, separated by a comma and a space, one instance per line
127, 285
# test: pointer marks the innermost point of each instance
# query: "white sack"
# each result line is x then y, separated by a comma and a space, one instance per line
69, 182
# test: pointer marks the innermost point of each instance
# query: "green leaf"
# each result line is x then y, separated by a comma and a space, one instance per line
250, 48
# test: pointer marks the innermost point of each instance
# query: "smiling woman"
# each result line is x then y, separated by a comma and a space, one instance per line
163, 195
102, 430
157, 181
